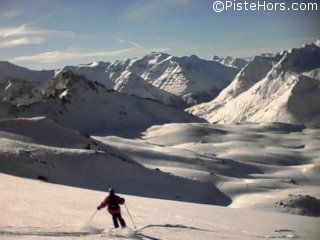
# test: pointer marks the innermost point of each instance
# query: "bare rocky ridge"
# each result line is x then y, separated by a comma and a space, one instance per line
301, 205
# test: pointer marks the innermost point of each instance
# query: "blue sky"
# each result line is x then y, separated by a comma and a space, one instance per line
42, 34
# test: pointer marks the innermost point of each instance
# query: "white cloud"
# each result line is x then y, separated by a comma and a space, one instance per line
21, 41
56, 56
7, 32
26, 30
59, 56
134, 44
52, 56
26, 35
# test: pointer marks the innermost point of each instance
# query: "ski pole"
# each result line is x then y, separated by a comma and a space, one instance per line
130, 216
92, 216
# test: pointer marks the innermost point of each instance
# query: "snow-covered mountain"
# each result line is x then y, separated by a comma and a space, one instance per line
270, 55
20, 85
131, 83
95, 71
87, 106
192, 79
231, 61
9, 70
284, 88
245, 79
127, 82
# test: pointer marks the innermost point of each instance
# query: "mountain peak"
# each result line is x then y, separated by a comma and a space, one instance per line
7, 63
158, 56
229, 61
11, 71
8, 66
99, 64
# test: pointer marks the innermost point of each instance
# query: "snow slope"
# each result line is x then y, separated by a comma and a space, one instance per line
288, 93
256, 165
20, 85
40, 148
231, 61
89, 107
41, 130
37, 210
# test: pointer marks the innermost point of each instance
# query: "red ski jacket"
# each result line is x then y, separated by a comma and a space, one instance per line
113, 204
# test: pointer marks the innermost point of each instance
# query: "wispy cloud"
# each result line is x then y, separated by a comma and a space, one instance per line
21, 41
55, 56
26, 35
26, 30
134, 44
58, 56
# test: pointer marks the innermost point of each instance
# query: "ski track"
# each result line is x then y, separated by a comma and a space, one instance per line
174, 226
290, 234
46, 234
137, 234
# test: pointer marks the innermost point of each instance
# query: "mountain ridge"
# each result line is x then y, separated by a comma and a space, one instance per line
288, 91
86, 106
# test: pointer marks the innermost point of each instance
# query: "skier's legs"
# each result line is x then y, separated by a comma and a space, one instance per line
115, 221
121, 220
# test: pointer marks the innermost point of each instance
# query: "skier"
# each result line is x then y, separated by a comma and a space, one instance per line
113, 201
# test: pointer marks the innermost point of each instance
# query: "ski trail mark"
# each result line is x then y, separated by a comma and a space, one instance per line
48, 234
174, 226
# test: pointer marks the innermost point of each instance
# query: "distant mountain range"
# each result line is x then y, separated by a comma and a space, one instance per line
179, 82
156, 88
192, 79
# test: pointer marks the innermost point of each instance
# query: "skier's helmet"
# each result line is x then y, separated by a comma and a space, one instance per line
111, 191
